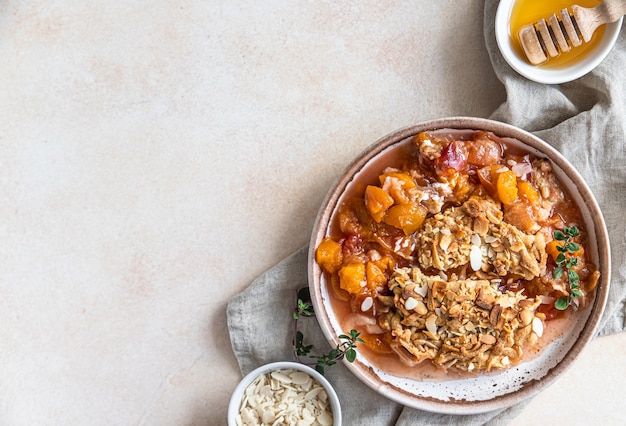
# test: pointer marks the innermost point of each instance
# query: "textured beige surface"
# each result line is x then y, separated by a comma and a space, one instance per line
155, 156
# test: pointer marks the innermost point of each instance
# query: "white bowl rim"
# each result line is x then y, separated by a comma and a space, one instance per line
550, 75
236, 396
533, 387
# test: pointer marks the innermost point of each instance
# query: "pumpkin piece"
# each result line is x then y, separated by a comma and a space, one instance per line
407, 217
463, 186
506, 184
328, 255
375, 276
526, 190
552, 248
377, 202
352, 277
385, 263
398, 185
422, 137
405, 179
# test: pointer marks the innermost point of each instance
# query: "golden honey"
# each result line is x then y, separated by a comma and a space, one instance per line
526, 12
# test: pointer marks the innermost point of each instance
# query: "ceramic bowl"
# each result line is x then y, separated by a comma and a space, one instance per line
487, 392
240, 391
546, 74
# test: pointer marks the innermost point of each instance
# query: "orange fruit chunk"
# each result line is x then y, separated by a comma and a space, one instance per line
328, 255
407, 217
528, 191
506, 185
375, 276
377, 202
552, 248
352, 277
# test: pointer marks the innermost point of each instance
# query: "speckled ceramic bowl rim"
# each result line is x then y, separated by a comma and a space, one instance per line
550, 75
364, 371
237, 395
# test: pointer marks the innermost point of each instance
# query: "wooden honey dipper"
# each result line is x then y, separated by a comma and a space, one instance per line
547, 39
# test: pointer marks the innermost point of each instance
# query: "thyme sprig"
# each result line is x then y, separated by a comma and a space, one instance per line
345, 349
566, 261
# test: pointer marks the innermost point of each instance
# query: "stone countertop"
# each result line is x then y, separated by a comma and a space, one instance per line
156, 156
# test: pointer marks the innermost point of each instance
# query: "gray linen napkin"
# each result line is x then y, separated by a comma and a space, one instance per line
584, 119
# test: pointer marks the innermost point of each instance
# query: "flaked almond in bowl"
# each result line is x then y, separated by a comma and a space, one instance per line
472, 258
284, 393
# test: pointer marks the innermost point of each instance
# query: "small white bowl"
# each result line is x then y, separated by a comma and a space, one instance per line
237, 396
543, 74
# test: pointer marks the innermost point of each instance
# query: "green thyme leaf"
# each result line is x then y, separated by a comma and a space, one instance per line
561, 303
346, 349
572, 247
567, 263
572, 231
351, 355
557, 273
